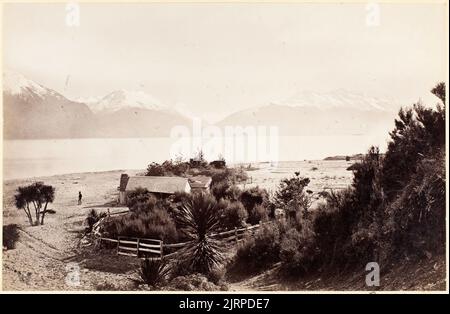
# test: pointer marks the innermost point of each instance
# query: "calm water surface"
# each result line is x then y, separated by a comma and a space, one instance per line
31, 158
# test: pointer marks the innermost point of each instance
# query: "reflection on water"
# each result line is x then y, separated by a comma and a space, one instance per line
30, 158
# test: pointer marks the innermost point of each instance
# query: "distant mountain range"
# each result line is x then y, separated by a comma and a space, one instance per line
307, 113
33, 111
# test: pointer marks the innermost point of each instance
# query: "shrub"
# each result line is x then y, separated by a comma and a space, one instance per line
346, 232
194, 282
413, 179
232, 215
419, 132
357, 214
225, 190
221, 175
253, 197
216, 275
219, 189
298, 249
258, 214
154, 272
141, 199
230, 175
181, 197
258, 252
291, 196
417, 216
396, 205
156, 224
168, 168
10, 236
155, 169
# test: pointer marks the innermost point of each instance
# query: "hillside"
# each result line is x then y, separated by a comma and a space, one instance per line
32, 111
311, 120
424, 275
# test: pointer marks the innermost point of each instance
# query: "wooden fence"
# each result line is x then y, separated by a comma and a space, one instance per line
156, 249
236, 235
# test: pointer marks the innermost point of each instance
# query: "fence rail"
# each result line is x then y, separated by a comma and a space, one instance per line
154, 249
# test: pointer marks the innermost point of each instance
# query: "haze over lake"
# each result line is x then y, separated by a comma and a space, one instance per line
32, 158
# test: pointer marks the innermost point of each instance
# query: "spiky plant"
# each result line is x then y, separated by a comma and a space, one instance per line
198, 218
153, 271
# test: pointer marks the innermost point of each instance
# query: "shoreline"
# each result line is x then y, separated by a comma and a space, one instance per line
254, 165
33, 178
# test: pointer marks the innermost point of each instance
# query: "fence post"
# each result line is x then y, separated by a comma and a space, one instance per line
161, 248
118, 245
236, 235
137, 247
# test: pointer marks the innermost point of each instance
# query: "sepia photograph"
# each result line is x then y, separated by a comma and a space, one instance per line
232, 147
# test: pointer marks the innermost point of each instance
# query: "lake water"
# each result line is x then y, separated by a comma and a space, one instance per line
31, 158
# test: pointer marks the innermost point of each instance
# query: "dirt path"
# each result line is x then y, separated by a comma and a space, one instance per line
48, 257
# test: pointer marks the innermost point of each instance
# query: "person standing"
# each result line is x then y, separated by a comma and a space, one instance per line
80, 196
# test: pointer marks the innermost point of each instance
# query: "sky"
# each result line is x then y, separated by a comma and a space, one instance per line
215, 59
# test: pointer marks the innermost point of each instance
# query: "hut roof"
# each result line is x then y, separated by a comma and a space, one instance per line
200, 182
166, 185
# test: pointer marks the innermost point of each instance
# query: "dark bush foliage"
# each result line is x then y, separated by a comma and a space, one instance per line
298, 249
291, 195
181, 197
155, 224
257, 214
229, 175
232, 214
168, 168
10, 236
219, 190
255, 201
258, 252
394, 207
141, 200
419, 132
225, 190
417, 217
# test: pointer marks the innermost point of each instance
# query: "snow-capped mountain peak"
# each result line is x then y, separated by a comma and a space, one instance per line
121, 99
17, 84
89, 101
337, 99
